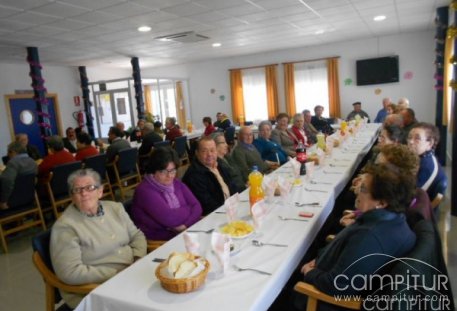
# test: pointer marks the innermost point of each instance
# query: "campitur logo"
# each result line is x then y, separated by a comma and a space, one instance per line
399, 284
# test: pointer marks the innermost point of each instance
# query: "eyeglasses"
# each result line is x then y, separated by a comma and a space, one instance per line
168, 172
88, 188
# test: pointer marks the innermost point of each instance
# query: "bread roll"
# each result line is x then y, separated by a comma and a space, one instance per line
185, 269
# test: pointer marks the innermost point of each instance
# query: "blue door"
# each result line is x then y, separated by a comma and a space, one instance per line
24, 118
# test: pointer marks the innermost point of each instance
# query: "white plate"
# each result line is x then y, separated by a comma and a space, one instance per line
239, 237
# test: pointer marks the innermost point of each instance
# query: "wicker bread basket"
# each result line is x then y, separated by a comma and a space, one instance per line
184, 285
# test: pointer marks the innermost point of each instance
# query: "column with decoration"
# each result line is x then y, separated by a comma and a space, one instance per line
39, 93
138, 87
87, 102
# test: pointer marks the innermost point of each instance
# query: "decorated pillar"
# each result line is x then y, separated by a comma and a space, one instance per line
441, 22
39, 93
87, 103
452, 32
138, 87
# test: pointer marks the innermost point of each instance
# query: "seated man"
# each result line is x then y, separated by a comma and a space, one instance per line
69, 142
319, 122
245, 155
149, 138
121, 127
357, 112
309, 128
223, 122
172, 129
409, 121
32, 150
19, 164
208, 178
56, 155
116, 143
136, 132
268, 149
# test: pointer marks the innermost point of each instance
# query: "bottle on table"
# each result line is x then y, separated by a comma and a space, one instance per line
256, 192
320, 140
300, 150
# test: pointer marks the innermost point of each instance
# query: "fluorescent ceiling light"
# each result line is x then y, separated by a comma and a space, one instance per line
216, 45
379, 18
319, 32
144, 29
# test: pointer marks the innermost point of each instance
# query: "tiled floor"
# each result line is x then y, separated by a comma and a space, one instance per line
22, 289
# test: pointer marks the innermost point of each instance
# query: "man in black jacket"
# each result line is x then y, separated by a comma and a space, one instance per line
207, 178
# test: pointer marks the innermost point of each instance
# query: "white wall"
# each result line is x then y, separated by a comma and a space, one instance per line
415, 50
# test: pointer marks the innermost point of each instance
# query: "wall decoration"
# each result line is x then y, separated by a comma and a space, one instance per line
212, 91
408, 75
377, 91
348, 81
222, 98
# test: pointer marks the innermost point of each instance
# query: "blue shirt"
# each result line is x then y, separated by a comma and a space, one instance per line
431, 176
269, 150
381, 116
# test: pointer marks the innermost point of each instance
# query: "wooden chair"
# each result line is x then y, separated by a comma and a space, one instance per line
98, 164
180, 146
154, 244
42, 261
57, 187
126, 172
162, 143
24, 209
229, 135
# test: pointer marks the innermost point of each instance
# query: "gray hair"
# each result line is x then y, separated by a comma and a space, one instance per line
83, 173
297, 115
215, 135
17, 147
148, 127
264, 123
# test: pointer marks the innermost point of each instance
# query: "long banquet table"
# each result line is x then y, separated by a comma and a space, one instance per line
137, 288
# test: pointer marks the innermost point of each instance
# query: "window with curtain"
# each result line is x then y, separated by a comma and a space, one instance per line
255, 94
311, 86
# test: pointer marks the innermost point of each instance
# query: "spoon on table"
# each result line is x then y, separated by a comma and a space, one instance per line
286, 218
315, 190
258, 243
320, 182
204, 231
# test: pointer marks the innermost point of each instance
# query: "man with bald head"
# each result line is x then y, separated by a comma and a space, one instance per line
381, 116
207, 178
245, 155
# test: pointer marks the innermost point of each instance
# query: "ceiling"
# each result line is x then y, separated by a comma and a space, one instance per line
104, 32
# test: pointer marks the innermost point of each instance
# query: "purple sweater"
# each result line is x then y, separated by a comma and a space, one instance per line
152, 214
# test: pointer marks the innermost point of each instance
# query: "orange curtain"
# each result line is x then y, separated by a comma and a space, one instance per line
333, 88
236, 85
272, 91
180, 110
289, 85
148, 99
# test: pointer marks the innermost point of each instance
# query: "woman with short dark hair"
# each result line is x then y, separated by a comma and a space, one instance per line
162, 205
378, 235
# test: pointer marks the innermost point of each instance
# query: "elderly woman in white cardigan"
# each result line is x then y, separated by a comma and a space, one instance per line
92, 240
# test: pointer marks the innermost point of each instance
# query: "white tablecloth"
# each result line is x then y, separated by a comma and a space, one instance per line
137, 289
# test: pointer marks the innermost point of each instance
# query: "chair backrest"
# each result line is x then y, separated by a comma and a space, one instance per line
40, 244
229, 134
60, 175
5, 159
97, 163
180, 145
162, 143
127, 160
23, 192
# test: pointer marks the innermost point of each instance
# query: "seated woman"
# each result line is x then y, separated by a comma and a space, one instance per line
268, 149
360, 250
209, 127
298, 130
422, 140
92, 240
390, 134
162, 205
283, 136
85, 148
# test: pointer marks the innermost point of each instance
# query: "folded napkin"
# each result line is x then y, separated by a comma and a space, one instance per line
295, 167
284, 187
269, 184
191, 242
230, 207
259, 211
220, 244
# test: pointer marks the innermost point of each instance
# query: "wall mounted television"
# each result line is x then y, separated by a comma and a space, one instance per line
377, 70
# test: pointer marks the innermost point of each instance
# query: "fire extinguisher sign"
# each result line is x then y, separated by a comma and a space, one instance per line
76, 100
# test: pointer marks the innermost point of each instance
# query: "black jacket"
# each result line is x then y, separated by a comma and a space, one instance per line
205, 187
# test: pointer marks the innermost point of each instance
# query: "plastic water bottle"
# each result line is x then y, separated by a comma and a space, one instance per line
255, 182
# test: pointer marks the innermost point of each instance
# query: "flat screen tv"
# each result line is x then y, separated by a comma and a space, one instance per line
377, 70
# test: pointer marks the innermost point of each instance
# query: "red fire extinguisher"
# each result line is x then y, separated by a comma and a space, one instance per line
80, 118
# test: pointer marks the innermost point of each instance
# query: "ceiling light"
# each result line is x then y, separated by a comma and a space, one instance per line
379, 18
144, 29
216, 45
319, 32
